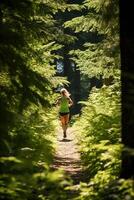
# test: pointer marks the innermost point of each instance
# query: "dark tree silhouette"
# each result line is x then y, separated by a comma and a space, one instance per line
127, 65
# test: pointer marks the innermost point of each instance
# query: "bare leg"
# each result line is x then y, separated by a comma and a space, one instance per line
63, 124
66, 118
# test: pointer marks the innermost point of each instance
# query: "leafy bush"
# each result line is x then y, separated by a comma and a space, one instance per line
19, 184
99, 129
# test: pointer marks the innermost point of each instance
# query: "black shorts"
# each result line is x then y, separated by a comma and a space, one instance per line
62, 114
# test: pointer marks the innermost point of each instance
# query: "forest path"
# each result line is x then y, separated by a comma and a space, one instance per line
67, 155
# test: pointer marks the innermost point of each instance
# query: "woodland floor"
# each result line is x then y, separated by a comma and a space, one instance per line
67, 155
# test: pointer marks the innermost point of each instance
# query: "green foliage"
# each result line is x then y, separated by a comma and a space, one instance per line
32, 144
28, 46
98, 60
26, 51
100, 121
102, 57
100, 127
103, 189
54, 187
100, 146
29, 39
101, 16
24, 184
35, 129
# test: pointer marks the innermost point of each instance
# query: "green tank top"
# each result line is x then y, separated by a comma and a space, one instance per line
64, 105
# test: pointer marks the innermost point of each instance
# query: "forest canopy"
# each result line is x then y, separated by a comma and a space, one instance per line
83, 36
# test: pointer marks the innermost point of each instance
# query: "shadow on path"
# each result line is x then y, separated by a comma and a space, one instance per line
65, 140
67, 156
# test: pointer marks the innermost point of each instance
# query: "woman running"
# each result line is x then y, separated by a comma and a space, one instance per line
64, 102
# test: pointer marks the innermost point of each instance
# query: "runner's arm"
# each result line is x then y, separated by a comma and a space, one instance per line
57, 101
70, 102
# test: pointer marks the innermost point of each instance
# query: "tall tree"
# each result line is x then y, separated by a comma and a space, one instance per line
27, 42
100, 58
102, 55
127, 60
69, 66
103, 59
28, 33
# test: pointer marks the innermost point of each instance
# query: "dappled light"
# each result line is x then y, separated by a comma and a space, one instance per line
60, 102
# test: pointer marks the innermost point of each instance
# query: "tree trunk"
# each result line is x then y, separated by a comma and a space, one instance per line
73, 76
127, 64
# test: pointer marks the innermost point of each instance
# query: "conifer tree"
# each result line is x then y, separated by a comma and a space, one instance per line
100, 58
27, 43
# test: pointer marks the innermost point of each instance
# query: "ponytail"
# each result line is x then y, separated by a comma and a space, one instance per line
65, 92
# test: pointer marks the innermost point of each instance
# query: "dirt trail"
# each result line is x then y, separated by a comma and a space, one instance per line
67, 155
